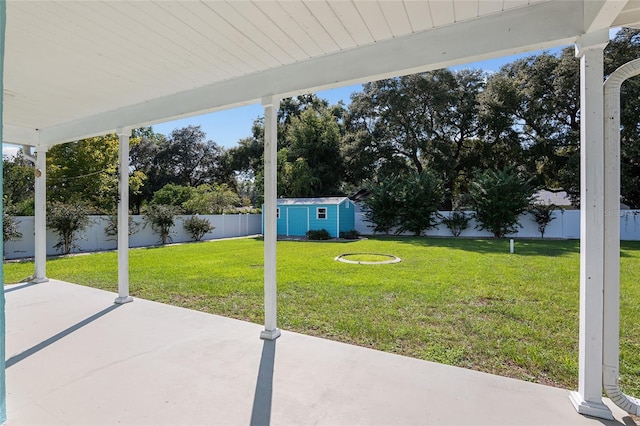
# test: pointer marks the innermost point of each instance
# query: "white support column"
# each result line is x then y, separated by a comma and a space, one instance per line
123, 217
588, 399
40, 215
271, 104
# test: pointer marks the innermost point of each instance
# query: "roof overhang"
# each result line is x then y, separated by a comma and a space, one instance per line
69, 84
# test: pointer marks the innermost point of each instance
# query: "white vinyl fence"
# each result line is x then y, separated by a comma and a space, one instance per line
566, 225
94, 237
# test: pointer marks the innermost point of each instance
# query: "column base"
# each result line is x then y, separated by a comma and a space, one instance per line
590, 408
123, 300
40, 280
270, 334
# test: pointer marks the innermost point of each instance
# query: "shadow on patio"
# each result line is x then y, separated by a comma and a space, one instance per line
146, 363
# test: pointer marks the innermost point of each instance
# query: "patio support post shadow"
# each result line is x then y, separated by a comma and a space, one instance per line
40, 215
588, 399
123, 216
271, 104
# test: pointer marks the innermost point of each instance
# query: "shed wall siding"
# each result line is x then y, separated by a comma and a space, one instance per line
330, 223
347, 216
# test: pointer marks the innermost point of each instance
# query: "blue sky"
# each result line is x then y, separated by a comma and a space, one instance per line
227, 127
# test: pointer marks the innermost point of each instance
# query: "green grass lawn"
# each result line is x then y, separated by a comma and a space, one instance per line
461, 302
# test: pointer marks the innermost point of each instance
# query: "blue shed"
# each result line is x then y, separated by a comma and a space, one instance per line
296, 216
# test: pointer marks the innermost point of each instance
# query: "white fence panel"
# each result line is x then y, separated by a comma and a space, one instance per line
94, 237
565, 225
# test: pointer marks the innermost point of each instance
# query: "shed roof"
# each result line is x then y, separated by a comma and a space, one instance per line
311, 201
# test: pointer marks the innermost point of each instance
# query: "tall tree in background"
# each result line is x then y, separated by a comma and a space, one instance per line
530, 110
314, 154
184, 158
187, 158
414, 122
85, 171
309, 154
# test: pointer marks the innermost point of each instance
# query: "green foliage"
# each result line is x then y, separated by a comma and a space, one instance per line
197, 227
409, 201
381, 207
162, 218
499, 198
10, 231
212, 199
411, 122
318, 234
419, 196
313, 155
111, 230
456, 222
173, 195
67, 220
85, 171
296, 179
350, 235
542, 215
18, 185
531, 112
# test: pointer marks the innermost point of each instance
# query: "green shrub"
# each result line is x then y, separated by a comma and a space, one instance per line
350, 235
318, 234
161, 217
542, 215
456, 222
10, 231
111, 230
499, 198
67, 220
197, 227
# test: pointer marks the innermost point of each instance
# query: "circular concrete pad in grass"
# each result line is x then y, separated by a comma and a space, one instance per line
368, 258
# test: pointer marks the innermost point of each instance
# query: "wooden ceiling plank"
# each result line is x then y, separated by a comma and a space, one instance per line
488, 7
331, 23
514, 4
239, 41
396, 15
229, 12
270, 29
213, 42
375, 19
465, 9
180, 34
419, 15
442, 12
276, 11
299, 12
352, 21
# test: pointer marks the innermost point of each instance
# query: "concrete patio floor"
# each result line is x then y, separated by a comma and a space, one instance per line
75, 358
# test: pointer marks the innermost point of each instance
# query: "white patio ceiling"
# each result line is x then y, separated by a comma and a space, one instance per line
79, 68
